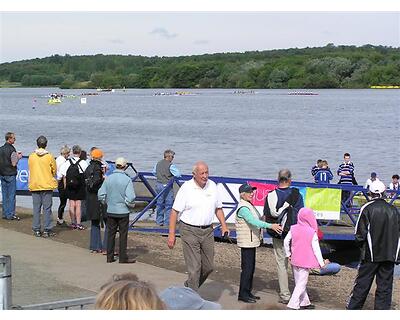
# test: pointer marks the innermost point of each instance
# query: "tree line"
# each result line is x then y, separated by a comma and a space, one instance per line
321, 67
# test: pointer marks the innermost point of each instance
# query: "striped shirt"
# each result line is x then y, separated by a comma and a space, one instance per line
348, 178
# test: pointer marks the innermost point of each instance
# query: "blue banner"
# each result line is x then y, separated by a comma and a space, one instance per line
23, 173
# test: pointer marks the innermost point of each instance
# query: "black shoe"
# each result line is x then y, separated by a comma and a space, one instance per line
254, 297
309, 307
111, 260
128, 261
37, 233
186, 284
15, 217
247, 300
48, 234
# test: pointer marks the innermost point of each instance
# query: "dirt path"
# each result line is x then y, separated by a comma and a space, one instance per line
329, 291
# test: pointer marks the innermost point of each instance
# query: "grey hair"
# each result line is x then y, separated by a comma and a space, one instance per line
197, 164
284, 175
65, 149
76, 149
168, 152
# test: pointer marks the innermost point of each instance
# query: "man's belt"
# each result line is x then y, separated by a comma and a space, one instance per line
200, 227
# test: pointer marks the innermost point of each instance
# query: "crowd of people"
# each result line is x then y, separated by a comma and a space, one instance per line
293, 228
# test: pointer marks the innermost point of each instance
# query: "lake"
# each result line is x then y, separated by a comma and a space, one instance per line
250, 135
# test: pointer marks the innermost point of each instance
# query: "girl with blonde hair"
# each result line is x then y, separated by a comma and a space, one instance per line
128, 295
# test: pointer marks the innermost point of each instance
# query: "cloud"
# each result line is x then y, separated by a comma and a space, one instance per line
201, 42
164, 33
116, 41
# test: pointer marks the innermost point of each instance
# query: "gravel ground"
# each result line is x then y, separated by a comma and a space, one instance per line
328, 291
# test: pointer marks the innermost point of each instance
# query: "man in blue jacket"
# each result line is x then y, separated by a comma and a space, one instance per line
117, 191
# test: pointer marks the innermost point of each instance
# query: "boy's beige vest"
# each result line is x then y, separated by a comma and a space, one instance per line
247, 236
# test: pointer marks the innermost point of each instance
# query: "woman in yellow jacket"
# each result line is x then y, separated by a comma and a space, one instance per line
42, 169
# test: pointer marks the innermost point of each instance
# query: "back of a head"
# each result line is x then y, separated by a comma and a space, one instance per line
128, 295
284, 176
306, 217
41, 142
76, 150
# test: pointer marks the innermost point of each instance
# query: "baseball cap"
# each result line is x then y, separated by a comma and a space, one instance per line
121, 161
377, 187
183, 298
245, 187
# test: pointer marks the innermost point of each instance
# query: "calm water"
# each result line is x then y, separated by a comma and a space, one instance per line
238, 135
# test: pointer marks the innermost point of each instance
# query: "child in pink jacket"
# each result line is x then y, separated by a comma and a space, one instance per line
302, 248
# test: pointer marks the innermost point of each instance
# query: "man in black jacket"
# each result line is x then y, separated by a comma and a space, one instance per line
9, 158
377, 233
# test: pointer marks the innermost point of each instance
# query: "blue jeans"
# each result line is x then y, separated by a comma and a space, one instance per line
42, 199
95, 236
164, 204
331, 268
8, 191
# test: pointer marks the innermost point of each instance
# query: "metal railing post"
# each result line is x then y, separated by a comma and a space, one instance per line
5, 283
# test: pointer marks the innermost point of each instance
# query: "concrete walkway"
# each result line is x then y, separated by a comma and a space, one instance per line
44, 270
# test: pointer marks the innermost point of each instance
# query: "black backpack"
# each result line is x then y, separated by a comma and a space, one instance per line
288, 216
74, 178
93, 178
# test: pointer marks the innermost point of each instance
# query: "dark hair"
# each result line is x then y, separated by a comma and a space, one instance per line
41, 142
284, 175
8, 135
346, 155
83, 155
396, 176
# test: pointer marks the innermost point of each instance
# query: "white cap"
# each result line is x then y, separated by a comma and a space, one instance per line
377, 187
121, 161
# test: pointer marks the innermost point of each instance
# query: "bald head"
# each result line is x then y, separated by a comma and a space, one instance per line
200, 173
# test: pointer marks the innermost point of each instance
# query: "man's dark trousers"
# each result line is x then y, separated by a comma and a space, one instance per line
248, 265
384, 285
120, 223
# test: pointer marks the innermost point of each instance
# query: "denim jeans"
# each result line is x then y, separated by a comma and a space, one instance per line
8, 191
164, 204
95, 236
42, 199
331, 268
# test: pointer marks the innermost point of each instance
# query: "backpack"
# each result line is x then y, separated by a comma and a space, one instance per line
93, 181
74, 178
287, 218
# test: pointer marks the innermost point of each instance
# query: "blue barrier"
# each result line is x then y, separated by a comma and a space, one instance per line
348, 207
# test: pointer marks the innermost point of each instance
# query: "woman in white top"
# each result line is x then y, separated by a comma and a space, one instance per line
61, 159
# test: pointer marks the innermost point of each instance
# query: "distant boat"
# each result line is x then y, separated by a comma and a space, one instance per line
104, 90
244, 92
302, 93
54, 101
385, 87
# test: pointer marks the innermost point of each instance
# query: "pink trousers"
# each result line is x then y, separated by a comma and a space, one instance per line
299, 296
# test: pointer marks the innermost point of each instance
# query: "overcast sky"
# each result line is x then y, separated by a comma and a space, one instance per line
40, 34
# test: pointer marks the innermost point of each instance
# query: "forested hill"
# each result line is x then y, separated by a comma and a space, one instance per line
325, 67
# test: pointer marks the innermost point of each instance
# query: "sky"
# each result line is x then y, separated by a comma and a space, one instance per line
38, 34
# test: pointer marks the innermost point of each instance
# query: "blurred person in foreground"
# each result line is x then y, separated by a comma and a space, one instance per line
128, 295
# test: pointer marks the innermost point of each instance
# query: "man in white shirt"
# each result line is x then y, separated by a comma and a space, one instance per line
197, 201
370, 180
